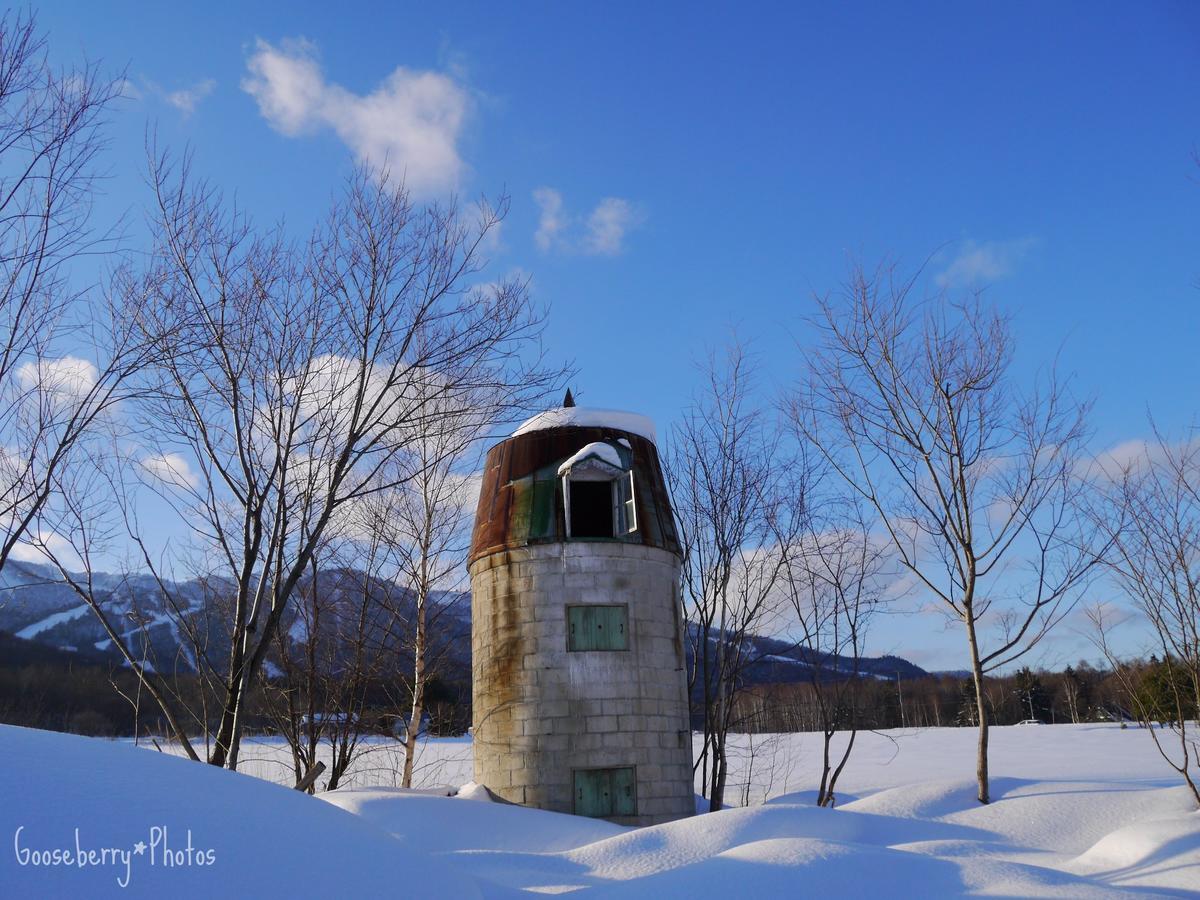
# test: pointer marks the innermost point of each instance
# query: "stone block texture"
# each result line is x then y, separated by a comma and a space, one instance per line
541, 712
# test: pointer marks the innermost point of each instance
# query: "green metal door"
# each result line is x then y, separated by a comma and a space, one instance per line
596, 627
593, 792
605, 792
624, 792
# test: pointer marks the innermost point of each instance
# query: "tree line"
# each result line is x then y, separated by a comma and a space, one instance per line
1078, 694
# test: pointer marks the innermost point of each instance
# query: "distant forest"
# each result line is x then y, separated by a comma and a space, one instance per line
44, 687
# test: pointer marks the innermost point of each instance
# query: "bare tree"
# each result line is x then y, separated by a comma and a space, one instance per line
51, 393
423, 531
290, 378
325, 665
1073, 689
1153, 519
973, 483
724, 476
833, 579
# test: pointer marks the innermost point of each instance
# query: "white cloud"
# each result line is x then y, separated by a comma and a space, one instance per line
600, 233
1135, 456
466, 491
68, 377
187, 99
31, 551
171, 468
515, 274
409, 124
978, 263
128, 90
551, 221
1131, 455
607, 226
184, 99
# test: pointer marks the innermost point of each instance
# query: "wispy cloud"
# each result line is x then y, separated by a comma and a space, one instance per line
411, 123
601, 232
981, 262
551, 220
129, 90
184, 99
1137, 455
607, 226
187, 99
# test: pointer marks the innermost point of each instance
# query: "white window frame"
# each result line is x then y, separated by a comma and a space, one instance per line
624, 508
624, 505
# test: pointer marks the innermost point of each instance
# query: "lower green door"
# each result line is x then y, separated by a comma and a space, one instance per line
624, 792
605, 792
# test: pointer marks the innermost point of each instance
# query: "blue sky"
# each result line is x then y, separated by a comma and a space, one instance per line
680, 170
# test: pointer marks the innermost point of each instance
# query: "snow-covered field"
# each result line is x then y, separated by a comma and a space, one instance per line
1079, 811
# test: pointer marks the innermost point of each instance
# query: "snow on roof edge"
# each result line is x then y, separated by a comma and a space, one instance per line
585, 417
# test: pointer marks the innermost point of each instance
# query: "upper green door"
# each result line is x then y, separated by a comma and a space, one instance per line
597, 627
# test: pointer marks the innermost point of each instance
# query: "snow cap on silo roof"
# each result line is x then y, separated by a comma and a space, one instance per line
583, 416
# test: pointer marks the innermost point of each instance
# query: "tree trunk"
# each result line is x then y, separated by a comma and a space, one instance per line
235, 731
717, 795
981, 758
418, 704
223, 739
833, 779
823, 792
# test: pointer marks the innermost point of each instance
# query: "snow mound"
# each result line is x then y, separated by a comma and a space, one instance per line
1094, 815
583, 416
1146, 853
927, 800
792, 867
473, 791
440, 824
808, 798
248, 838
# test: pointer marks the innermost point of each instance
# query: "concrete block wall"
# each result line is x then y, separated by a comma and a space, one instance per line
540, 711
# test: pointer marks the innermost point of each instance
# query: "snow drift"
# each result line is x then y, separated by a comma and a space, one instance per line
72, 794
1093, 813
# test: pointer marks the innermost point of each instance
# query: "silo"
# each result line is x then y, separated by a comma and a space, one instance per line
580, 693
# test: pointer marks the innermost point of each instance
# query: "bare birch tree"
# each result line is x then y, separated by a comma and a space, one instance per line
423, 533
1152, 516
974, 483
290, 378
724, 476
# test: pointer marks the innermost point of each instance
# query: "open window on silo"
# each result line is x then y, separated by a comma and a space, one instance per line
598, 492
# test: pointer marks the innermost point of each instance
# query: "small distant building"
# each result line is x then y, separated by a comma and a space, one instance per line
580, 692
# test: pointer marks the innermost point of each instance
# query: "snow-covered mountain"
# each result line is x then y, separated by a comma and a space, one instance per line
37, 605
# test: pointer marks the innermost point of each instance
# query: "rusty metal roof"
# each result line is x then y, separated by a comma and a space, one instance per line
521, 497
